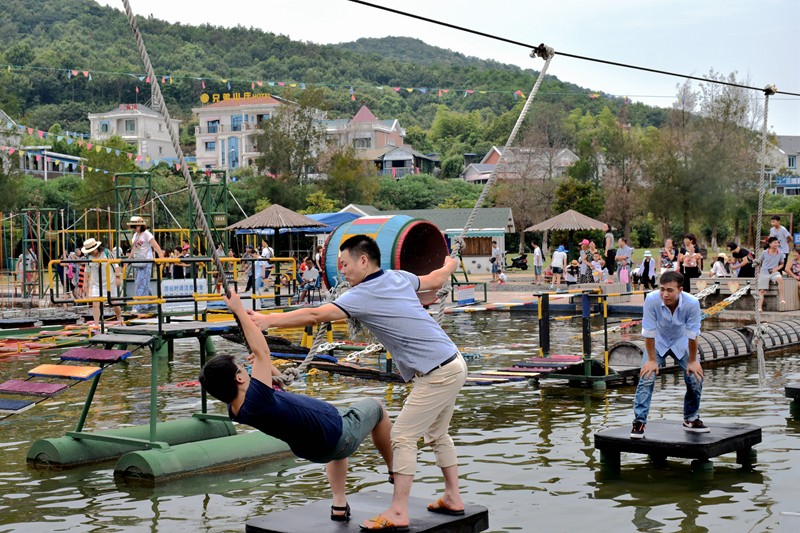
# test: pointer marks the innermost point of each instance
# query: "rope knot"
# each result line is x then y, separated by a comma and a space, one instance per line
288, 377
543, 51
770, 89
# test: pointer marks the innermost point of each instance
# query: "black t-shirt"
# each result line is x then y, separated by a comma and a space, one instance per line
746, 271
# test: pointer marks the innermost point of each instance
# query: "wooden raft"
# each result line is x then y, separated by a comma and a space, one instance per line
365, 505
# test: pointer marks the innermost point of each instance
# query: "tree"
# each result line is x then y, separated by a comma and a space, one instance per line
291, 139
318, 203
350, 180
97, 189
582, 196
452, 167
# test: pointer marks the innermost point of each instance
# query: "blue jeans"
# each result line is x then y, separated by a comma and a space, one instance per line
644, 391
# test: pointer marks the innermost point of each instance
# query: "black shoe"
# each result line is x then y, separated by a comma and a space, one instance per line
695, 426
637, 432
344, 517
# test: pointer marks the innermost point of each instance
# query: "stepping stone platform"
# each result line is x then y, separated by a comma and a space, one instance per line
80, 373
31, 388
664, 439
110, 338
93, 355
14, 406
793, 391
9, 323
365, 505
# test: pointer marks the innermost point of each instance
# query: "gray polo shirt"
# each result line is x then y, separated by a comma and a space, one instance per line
386, 302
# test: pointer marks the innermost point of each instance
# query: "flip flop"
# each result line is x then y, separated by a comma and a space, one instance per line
381, 523
439, 507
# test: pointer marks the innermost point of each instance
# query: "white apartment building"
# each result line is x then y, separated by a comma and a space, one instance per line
138, 125
226, 135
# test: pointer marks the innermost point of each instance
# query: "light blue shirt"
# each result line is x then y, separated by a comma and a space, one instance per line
387, 303
671, 331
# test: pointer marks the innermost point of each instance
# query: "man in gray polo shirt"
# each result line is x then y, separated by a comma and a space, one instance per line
387, 303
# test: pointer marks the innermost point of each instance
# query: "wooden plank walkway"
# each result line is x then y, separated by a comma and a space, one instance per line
315, 517
666, 438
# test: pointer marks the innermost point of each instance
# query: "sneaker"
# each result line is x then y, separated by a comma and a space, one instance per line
695, 426
637, 432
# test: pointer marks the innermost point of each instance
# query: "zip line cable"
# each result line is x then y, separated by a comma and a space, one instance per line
574, 56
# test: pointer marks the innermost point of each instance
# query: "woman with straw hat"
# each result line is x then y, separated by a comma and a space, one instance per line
143, 244
94, 250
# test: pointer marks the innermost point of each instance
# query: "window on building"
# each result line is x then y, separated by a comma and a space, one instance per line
792, 161
104, 127
130, 126
160, 150
211, 146
362, 144
213, 126
159, 127
261, 118
477, 246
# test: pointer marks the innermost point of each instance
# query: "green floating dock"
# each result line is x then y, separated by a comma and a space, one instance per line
211, 455
93, 447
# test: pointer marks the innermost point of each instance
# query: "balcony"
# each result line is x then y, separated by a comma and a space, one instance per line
398, 172
222, 128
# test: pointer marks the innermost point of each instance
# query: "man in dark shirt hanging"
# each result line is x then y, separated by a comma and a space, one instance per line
745, 260
314, 430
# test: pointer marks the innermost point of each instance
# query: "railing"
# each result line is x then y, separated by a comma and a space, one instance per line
222, 128
398, 172
199, 267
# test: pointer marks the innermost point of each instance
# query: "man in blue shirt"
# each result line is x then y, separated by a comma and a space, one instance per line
314, 430
670, 326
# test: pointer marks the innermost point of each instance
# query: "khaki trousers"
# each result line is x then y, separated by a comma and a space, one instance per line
427, 413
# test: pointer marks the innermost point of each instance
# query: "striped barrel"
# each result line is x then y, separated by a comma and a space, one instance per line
406, 243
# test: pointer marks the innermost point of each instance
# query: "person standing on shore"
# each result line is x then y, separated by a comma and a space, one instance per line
784, 239
538, 264
608, 246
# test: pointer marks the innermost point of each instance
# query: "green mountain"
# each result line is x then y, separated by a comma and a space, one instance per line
47, 45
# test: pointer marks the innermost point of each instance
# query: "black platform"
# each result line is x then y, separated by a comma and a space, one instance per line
315, 517
793, 391
664, 439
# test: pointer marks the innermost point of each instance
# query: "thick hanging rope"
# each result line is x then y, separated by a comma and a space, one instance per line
758, 340
161, 107
547, 54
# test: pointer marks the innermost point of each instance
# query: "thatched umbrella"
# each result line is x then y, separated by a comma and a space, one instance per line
568, 220
275, 218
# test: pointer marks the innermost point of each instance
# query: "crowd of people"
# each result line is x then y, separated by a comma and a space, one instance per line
614, 262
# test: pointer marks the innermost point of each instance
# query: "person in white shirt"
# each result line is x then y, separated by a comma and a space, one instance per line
310, 275
143, 244
538, 264
558, 264
784, 239
721, 268
497, 256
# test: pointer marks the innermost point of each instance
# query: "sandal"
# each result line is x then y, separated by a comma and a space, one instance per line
440, 507
381, 523
345, 517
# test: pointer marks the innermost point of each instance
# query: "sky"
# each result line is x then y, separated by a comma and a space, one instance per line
758, 40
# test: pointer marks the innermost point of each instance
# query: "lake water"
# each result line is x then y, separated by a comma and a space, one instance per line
525, 453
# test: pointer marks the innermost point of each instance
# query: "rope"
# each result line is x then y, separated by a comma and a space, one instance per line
759, 337
161, 107
540, 51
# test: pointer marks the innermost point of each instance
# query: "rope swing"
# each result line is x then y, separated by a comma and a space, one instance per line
547, 54
758, 340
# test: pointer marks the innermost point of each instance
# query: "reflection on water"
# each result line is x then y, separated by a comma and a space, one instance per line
525, 453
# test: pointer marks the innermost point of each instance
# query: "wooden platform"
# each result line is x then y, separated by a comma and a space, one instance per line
664, 439
315, 517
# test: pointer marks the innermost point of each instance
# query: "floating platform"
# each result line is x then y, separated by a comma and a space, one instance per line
793, 391
365, 505
663, 439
